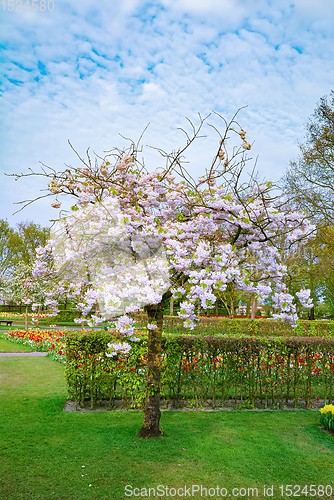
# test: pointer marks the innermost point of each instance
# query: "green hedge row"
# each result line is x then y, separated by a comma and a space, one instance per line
16, 309
232, 327
238, 371
62, 317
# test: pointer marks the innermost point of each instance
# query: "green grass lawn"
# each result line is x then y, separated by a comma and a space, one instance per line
20, 325
5, 327
6, 346
42, 449
44, 326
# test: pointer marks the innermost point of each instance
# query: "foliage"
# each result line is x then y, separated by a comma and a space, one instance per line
92, 370
224, 369
67, 316
6, 250
22, 288
310, 181
309, 185
19, 245
326, 268
246, 327
27, 237
6, 310
305, 268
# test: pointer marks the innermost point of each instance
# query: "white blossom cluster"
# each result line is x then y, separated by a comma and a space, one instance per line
151, 234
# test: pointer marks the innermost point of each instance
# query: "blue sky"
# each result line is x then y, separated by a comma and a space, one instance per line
90, 70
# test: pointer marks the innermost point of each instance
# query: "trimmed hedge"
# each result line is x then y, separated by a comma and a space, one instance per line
62, 317
14, 308
239, 371
247, 327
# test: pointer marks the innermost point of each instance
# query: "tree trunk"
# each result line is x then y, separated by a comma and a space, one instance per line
232, 304
38, 315
26, 320
311, 311
152, 411
254, 306
232, 301
171, 307
248, 305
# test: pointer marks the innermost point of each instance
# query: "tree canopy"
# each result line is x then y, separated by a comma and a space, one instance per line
309, 185
18, 245
309, 181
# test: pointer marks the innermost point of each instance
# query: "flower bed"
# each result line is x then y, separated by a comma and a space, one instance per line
13, 315
41, 340
327, 417
62, 316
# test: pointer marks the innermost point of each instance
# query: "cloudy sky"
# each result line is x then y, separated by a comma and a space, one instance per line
85, 71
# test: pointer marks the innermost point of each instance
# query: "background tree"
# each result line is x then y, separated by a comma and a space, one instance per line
27, 237
306, 269
6, 247
24, 289
309, 182
18, 245
325, 269
309, 185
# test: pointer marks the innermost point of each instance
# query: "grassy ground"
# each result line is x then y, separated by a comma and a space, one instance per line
42, 449
12, 327
6, 346
19, 325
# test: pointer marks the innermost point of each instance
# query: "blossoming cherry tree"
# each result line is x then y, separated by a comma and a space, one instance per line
137, 238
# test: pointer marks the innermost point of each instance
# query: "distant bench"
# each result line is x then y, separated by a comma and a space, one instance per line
8, 322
